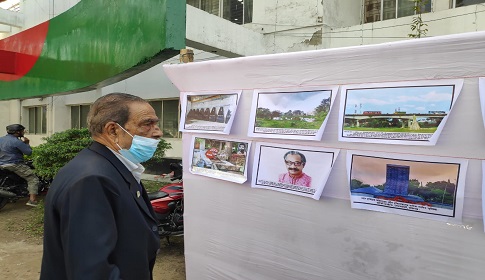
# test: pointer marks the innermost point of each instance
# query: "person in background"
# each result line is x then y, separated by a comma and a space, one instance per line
295, 162
13, 147
98, 222
241, 149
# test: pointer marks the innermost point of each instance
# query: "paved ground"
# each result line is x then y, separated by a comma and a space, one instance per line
21, 254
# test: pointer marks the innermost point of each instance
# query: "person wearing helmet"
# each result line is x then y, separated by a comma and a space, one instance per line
13, 147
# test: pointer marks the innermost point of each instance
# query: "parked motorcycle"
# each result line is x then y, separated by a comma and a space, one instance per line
168, 205
13, 187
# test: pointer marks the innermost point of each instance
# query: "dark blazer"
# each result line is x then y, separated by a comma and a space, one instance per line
96, 226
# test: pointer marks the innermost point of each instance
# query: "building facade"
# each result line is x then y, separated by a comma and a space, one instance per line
218, 29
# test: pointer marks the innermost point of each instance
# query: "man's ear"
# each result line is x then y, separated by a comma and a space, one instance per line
111, 129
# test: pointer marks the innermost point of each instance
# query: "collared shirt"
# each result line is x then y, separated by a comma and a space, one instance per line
12, 150
302, 180
135, 168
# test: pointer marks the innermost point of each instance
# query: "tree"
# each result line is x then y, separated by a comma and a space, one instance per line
57, 150
160, 152
442, 185
417, 24
324, 106
372, 122
413, 187
288, 115
355, 184
263, 113
275, 114
321, 111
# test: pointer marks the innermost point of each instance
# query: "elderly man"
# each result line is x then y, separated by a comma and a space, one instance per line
99, 223
295, 162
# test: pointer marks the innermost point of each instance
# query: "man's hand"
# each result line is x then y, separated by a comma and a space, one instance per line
25, 140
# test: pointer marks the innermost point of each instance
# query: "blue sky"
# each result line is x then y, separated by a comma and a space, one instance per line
404, 99
305, 101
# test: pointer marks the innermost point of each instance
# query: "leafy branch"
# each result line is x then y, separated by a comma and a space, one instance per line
417, 24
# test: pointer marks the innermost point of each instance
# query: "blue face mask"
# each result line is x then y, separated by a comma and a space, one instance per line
141, 150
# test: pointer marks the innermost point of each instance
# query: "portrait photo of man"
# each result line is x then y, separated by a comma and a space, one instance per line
300, 170
295, 162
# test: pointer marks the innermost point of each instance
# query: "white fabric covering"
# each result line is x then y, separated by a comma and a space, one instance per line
233, 231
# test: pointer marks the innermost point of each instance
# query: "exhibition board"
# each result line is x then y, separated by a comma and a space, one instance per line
235, 231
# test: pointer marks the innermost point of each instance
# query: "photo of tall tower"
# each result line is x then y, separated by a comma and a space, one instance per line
397, 180
409, 185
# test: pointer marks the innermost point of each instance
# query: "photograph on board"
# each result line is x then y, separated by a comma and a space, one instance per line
291, 114
209, 113
299, 170
417, 186
409, 113
220, 159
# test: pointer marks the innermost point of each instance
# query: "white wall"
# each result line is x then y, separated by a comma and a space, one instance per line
449, 21
11, 18
10, 114
288, 25
440, 5
39, 11
62, 110
214, 34
150, 84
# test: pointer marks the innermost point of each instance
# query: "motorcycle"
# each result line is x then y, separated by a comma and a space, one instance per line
168, 205
14, 187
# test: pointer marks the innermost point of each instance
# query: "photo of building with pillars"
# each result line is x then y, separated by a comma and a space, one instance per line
210, 108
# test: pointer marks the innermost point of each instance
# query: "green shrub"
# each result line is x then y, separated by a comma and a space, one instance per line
58, 150
63, 146
160, 152
157, 158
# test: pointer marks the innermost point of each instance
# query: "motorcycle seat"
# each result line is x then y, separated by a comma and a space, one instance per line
157, 195
174, 194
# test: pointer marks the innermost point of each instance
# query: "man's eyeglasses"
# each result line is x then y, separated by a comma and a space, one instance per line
295, 163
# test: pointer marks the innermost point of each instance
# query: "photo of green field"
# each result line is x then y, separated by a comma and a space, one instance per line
297, 110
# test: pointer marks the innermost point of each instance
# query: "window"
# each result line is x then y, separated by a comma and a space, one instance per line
38, 120
79, 116
375, 10
194, 3
461, 3
169, 114
237, 11
210, 6
12, 5
389, 9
